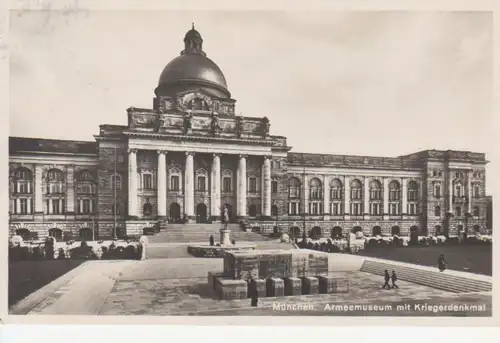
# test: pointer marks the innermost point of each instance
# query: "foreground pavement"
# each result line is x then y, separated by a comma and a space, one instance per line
178, 286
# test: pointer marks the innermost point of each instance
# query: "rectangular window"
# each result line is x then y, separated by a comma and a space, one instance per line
120, 159
147, 181
394, 209
252, 185
55, 206
24, 206
23, 188
201, 184
226, 184
86, 206
117, 181
315, 209
274, 187
294, 208
412, 209
174, 182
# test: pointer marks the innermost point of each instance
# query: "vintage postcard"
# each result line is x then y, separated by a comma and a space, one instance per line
196, 164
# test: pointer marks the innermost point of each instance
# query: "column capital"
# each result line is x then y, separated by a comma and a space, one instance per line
190, 153
268, 157
240, 156
161, 152
132, 151
216, 154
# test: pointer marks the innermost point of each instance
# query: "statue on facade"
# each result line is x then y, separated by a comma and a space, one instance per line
215, 124
187, 123
265, 126
240, 126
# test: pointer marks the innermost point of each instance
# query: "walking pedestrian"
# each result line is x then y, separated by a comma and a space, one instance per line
254, 294
387, 277
441, 263
394, 278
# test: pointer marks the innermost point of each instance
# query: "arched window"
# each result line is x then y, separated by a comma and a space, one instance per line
116, 181
274, 211
475, 212
375, 190
335, 189
315, 189
56, 233
55, 181
394, 191
438, 230
201, 180
437, 190
376, 231
294, 187
459, 189
356, 189
147, 208
412, 191
85, 183
395, 231
85, 234
23, 181
458, 211
437, 211
24, 233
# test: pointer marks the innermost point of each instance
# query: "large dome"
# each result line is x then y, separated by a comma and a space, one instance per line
193, 69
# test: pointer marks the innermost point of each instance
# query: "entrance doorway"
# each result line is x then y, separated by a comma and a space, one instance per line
175, 213
201, 213
414, 235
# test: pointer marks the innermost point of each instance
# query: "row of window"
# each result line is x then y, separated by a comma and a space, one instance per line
54, 206
458, 211
356, 209
458, 190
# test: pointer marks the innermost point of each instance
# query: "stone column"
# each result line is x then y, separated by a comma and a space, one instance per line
469, 192
162, 184
28, 206
366, 197
38, 189
189, 187
132, 182
215, 189
386, 197
326, 195
266, 187
404, 197
347, 196
18, 205
49, 210
70, 189
242, 187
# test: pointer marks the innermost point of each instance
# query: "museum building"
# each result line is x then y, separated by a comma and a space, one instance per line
191, 155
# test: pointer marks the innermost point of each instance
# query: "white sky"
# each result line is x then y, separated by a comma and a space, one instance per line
366, 83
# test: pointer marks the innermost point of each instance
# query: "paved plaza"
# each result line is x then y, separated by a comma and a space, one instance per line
178, 286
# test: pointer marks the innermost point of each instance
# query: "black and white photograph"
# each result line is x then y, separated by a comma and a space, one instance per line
250, 163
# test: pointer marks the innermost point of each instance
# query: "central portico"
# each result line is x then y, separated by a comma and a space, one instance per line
194, 177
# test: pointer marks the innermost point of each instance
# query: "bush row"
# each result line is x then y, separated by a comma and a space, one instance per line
83, 251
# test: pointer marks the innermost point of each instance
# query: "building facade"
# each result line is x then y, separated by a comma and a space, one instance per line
191, 155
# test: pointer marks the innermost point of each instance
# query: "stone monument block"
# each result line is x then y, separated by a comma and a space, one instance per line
240, 265
275, 287
293, 286
212, 278
332, 284
228, 289
310, 285
261, 288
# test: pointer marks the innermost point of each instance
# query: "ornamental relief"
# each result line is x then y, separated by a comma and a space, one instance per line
143, 120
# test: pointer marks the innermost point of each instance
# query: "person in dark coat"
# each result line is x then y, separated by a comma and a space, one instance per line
211, 240
253, 292
441, 263
394, 278
387, 277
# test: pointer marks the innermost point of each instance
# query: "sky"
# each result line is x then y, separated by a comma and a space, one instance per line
357, 83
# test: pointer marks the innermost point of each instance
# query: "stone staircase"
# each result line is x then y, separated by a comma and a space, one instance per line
200, 233
439, 280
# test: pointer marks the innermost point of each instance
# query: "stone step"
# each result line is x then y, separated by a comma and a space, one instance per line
438, 280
